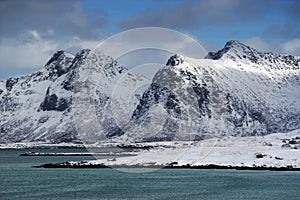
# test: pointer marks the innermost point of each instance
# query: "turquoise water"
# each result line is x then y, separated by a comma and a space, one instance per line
20, 181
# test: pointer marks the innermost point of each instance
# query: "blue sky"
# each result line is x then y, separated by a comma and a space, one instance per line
32, 30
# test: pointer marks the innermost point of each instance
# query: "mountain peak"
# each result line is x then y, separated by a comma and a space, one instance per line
235, 44
231, 48
241, 53
57, 56
80, 56
175, 60
83, 53
59, 63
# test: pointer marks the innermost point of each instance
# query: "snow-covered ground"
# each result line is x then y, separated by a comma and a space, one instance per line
23, 145
268, 151
274, 150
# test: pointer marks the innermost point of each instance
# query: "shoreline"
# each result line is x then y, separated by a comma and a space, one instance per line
81, 154
210, 166
276, 152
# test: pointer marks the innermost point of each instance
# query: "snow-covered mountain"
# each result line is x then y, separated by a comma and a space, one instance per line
236, 91
40, 106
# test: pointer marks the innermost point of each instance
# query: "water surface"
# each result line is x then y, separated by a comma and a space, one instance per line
20, 181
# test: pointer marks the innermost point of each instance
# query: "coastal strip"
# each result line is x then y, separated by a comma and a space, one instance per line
85, 164
80, 154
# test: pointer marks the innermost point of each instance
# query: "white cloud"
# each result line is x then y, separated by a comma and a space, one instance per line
29, 53
64, 18
24, 55
258, 44
155, 38
32, 50
35, 34
292, 47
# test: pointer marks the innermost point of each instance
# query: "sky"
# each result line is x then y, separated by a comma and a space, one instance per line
32, 30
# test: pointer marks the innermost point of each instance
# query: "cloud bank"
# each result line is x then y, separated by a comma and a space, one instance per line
32, 30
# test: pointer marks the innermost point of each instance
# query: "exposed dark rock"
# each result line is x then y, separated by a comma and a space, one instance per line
52, 102
10, 83
43, 119
58, 64
175, 60
260, 155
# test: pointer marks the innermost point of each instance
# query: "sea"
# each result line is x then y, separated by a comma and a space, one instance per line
19, 180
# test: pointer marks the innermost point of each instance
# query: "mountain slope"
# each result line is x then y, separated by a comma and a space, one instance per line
235, 91
40, 106
22, 97
89, 97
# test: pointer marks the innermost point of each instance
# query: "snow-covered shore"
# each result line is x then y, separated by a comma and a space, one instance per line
280, 150
44, 145
27, 145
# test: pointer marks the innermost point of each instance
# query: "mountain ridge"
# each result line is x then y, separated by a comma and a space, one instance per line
244, 90
226, 94
238, 51
38, 107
